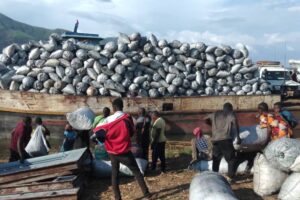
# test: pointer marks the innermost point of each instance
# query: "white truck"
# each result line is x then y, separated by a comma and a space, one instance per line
279, 78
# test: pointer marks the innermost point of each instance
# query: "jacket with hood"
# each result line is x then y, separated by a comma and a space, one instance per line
118, 133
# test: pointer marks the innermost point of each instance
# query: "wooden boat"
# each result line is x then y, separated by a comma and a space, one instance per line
181, 113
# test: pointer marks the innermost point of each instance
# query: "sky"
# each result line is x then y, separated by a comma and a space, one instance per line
269, 28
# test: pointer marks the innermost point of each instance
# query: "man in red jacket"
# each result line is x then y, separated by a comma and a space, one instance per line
115, 132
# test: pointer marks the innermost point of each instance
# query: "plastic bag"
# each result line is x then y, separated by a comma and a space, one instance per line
37, 145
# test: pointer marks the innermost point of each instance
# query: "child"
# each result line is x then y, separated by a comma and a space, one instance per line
70, 137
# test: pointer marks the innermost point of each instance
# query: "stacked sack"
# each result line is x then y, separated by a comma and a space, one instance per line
131, 65
278, 169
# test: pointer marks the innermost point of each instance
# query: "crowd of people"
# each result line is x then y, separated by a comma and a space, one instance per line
225, 129
117, 131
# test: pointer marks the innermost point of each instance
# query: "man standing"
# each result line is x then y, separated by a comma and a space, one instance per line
46, 132
115, 134
158, 141
224, 130
142, 132
19, 140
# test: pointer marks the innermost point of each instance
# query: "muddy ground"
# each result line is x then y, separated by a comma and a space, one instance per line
172, 185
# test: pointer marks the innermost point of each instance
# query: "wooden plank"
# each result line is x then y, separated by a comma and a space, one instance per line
37, 178
36, 187
39, 174
61, 158
33, 103
53, 194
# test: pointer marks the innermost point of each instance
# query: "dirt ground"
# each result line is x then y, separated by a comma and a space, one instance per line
172, 185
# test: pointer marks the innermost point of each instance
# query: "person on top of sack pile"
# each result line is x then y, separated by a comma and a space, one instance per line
278, 127
201, 146
20, 137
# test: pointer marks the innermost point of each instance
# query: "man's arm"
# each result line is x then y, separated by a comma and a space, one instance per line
20, 148
207, 119
47, 132
239, 141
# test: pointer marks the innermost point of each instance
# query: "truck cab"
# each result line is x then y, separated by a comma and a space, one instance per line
279, 79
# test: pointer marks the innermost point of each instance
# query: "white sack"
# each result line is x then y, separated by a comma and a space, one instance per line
267, 180
284, 154
205, 165
102, 168
37, 145
210, 186
290, 190
253, 138
81, 119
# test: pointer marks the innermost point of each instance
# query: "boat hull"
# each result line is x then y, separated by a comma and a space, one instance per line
184, 114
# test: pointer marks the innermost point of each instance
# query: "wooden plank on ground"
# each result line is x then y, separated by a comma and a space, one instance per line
66, 194
36, 187
35, 179
39, 174
61, 158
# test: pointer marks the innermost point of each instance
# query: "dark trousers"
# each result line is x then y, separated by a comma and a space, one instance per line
84, 137
158, 151
14, 156
246, 156
145, 150
224, 148
128, 160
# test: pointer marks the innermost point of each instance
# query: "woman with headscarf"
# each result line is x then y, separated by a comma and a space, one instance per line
201, 146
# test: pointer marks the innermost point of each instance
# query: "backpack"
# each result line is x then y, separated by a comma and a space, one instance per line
289, 117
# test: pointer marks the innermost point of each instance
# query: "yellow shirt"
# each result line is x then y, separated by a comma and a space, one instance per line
158, 124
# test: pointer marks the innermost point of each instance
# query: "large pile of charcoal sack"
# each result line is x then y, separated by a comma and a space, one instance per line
129, 66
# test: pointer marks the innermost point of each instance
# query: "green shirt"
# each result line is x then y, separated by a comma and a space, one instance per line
97, 120
158, 124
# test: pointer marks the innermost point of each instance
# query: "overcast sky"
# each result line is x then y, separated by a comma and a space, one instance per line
270, 28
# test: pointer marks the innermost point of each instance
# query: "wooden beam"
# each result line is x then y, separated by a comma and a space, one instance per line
66, 194
39, 174
36, 187
35, 179
33, 103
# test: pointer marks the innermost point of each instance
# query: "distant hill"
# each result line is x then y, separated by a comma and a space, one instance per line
12, 31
